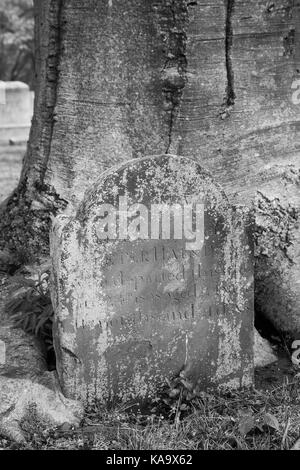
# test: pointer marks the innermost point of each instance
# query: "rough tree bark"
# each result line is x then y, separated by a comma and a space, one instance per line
211, 79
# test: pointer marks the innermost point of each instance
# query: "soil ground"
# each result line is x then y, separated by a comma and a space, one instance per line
256, 419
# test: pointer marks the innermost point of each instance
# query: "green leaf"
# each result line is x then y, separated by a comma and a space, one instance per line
271, 421
246, 424
48, 311
188, 385
39, 325
184, 407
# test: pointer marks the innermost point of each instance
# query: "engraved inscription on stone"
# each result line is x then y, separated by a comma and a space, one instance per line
134, 313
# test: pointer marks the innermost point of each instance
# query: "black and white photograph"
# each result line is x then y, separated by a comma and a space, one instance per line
150, 228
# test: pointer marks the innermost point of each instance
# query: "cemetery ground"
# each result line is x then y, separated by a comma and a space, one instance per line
266, 417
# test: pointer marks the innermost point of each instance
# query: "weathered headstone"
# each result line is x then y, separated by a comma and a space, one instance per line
153, 276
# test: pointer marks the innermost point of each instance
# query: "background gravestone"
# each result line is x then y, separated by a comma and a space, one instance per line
16, 110
132, 313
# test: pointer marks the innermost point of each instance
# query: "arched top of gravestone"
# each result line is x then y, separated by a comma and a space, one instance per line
159, 179
152, 277
15, 85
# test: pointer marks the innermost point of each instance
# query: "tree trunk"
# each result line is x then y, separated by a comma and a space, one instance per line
216, 80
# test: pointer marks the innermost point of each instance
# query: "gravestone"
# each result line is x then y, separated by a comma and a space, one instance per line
16, 110
152, 277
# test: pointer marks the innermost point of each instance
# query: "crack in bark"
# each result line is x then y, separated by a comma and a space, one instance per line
230, 94
25, 218
171, 20
52, 73
176, 92
289, 43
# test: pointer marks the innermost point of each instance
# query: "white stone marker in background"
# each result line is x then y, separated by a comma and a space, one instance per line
16, 110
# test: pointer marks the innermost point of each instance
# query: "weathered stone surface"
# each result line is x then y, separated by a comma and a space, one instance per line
263, 352
132, 313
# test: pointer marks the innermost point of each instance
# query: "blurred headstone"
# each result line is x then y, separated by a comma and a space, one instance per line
2, 352
2, 92
16, 110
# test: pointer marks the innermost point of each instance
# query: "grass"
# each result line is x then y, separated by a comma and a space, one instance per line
265, 419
